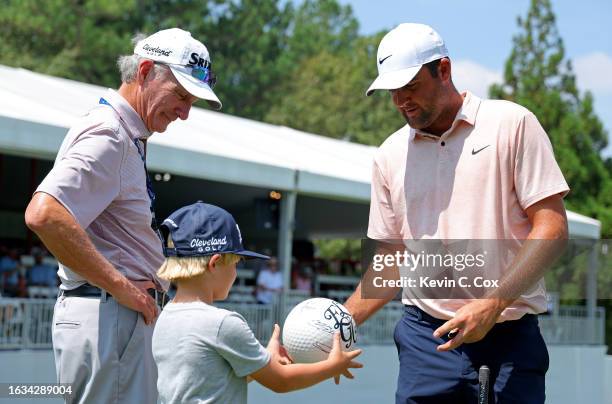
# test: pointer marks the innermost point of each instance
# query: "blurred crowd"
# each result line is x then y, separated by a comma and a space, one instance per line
31, 273
312, 277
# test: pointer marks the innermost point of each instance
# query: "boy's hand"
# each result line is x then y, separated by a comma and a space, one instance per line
343, 359
276, 349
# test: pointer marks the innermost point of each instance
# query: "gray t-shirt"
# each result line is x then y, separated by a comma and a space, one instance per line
204, 354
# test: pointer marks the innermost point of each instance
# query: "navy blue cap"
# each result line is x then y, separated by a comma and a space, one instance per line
201, 229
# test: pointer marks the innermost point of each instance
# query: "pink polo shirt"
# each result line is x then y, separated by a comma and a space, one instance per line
473, 182
100, 179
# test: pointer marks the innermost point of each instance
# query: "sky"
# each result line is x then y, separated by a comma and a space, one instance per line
478, 35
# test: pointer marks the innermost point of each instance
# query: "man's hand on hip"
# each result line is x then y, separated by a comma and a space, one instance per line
134, 296
471, 323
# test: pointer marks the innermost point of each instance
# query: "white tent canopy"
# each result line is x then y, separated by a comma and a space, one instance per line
583, 226
36, 110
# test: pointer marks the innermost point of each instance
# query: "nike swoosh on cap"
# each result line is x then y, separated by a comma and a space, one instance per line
380, 61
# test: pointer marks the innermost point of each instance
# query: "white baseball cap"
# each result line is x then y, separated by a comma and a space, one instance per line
187, 58
402, 52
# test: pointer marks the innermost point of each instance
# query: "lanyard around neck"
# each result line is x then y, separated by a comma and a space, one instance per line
142, 152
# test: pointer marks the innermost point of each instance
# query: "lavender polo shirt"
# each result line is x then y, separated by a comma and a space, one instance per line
473, 182
99, 177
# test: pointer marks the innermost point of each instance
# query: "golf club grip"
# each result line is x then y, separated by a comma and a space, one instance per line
483, 385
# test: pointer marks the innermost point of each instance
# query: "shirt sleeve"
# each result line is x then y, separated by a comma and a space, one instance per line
239, 347
86, 178
382, 222
537, 174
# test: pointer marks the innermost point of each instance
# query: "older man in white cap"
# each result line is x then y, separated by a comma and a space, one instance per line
463, 168
95, 212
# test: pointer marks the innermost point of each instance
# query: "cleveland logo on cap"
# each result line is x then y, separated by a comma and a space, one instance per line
156, 50
196, 242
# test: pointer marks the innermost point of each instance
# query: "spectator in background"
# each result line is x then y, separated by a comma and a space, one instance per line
42, 274
38, 249
303, 279
334, 267
269, 282
9, 273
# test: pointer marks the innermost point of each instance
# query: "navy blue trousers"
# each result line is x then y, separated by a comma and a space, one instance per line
514, 351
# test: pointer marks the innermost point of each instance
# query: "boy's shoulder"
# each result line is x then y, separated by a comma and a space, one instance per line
210, 324
208, 312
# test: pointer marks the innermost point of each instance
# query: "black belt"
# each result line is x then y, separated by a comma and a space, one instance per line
87, 290
421, 315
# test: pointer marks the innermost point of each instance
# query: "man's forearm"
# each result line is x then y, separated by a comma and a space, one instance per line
369, 297
545, 243
530, 265
363, 308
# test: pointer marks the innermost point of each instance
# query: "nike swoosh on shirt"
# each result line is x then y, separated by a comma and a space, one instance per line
380, 61
479, 150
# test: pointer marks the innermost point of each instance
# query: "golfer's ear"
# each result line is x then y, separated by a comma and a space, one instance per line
214, 259
145, 67
444, 69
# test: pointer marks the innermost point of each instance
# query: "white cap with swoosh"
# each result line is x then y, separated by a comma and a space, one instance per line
402, 52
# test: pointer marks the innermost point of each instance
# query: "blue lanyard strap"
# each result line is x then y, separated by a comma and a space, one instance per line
150, 191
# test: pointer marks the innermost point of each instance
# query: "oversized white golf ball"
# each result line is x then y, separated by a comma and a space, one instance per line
310, 326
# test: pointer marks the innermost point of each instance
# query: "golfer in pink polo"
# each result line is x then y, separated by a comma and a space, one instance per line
462, 168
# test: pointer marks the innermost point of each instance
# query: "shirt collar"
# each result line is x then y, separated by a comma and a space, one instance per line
469, 109
466, 113
135, 126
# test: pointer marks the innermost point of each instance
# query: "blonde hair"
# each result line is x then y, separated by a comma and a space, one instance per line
180, 268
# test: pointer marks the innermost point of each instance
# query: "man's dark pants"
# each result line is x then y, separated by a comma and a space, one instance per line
514, 351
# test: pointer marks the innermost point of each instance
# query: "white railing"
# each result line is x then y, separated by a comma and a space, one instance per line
26, 323
571, 325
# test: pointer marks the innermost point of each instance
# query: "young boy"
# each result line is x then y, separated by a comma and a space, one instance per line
204, 353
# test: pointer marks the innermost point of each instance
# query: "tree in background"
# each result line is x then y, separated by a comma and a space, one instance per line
537, 77
326, 95
256, 45
245, 39
73, 39
338, 248
316, 26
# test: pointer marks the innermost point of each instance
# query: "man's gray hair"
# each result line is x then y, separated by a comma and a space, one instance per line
128, 64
